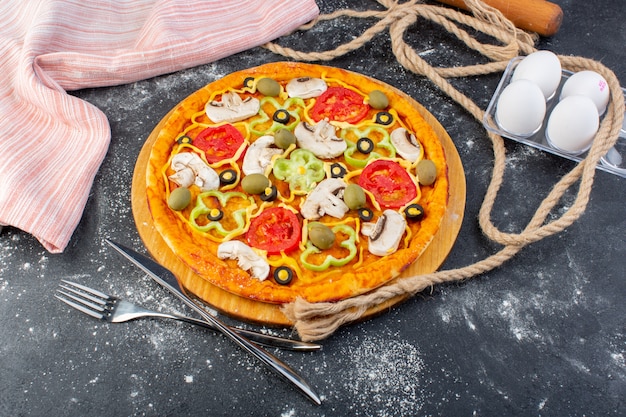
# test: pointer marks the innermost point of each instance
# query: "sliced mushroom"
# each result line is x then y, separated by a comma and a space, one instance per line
247, 258
185, 177
326, 198
191, 169
259, 155
385, 234
306, 87
320, 139
232, 108
406, 144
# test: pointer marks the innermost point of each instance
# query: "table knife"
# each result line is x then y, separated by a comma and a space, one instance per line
167, 279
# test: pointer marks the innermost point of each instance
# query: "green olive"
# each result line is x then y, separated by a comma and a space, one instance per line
284, 138
354, 196
426, 172
321, 235
378, 100
179, 198
255, 183
268, 87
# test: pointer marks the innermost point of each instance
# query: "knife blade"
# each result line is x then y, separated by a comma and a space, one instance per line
166, 278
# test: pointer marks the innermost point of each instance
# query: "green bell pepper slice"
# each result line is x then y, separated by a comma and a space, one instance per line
240, 215
302, 170
385, 144
295, 102
349, 243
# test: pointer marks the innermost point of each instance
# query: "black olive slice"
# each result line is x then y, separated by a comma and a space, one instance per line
365, 214
414, 212
281, 116
248, 82
228, 176
269, 194
384, 118
283, 275
215, 215
337, 170
184, 139
365, 145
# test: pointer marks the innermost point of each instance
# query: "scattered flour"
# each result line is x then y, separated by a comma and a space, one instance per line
384, 376
524, 155
289, 413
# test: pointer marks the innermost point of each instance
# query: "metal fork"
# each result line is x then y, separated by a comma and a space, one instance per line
115, 310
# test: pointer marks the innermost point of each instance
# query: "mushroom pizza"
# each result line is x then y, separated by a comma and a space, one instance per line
296, 180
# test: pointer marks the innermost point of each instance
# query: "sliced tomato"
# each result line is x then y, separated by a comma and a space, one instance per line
274, 230
218, 143
390, 184
340, 104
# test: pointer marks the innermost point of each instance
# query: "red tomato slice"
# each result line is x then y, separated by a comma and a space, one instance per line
340, 104
390, 184
219, 142
274, 230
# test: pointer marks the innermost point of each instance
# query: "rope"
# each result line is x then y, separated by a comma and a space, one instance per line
315, 321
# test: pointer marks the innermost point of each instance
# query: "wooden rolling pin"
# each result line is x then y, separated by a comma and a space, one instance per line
538, 16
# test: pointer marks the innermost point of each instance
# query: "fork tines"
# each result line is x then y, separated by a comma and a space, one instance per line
85, 299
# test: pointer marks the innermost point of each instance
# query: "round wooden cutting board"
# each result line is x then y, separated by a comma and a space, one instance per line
270, 314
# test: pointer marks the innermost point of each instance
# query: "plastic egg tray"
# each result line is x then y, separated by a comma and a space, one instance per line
614, 161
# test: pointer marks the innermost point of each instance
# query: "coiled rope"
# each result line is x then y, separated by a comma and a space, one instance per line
315, 321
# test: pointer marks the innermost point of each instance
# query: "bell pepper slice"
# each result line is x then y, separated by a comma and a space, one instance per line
302, 170
240, 215
294, 106
330, 260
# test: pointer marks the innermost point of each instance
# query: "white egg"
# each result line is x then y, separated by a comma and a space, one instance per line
543, 68
573, 124
590, 84
521, 108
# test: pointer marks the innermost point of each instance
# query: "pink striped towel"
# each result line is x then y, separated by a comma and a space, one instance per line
52, 144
